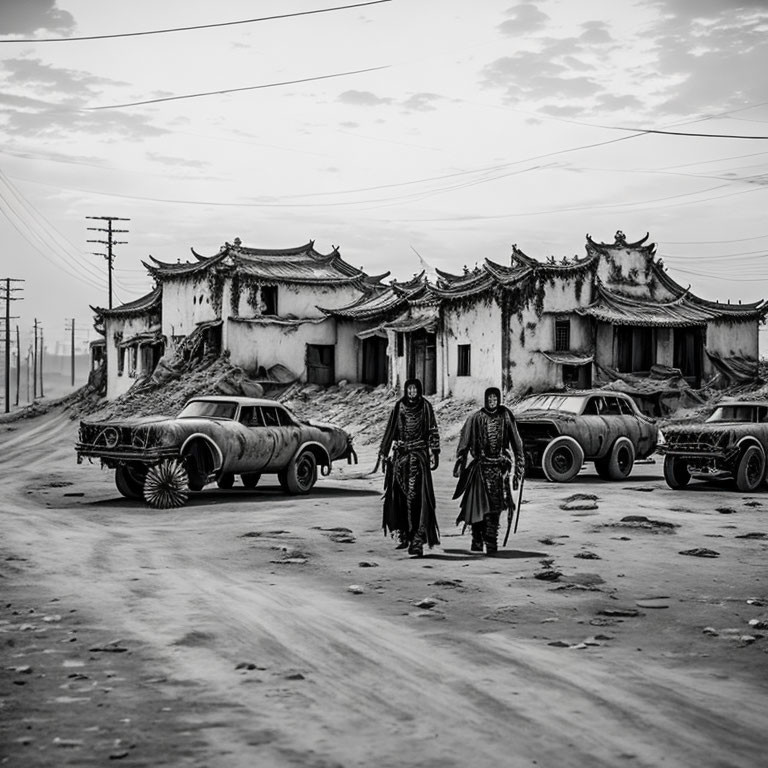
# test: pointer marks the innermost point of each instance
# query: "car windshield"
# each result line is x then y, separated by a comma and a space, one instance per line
745, 413
568, 403
212, 409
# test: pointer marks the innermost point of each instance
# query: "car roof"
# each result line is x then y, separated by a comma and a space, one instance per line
582, 393
239, 399
742, 402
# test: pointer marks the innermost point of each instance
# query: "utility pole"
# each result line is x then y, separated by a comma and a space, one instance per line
42, 358
8, 299
34, 366
109, 242
18, 363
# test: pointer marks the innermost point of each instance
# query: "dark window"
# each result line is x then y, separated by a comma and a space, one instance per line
320, 364
635, 349
626, 407
270, 417
283, 418
612, 406
268, 300
250, 416
400, 343
594, 407
120, 360
562, 335
463, 367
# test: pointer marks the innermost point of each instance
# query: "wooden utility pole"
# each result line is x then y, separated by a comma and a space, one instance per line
109, 242
8, 299
42, 358
18, 363
34, 366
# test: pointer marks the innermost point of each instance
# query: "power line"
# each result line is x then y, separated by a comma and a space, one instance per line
236, 90
188, 29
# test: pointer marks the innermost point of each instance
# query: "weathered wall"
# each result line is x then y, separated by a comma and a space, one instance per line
296, 300
119, 383
479, 325
630, 272
266, 342
731, 340
348, 350
185, 304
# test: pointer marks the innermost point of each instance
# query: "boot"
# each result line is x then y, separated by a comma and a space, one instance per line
416, 547
477, 537
491, 534
402, 540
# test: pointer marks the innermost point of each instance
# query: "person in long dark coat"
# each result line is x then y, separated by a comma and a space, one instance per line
491, 438
409, 497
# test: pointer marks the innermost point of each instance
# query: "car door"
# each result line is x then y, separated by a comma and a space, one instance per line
284, 433
623, 421
647, 432
261, 441
592, 427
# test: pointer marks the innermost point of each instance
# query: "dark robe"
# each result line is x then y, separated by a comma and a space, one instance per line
492, 439
409, 496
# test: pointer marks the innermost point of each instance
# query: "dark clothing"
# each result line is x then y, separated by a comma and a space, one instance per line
409, 496
490, 436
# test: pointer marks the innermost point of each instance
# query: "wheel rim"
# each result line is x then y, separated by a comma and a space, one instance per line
562, 461
754, 469
305, 470
623, 459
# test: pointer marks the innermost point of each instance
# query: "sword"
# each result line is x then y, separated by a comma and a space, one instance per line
516, 516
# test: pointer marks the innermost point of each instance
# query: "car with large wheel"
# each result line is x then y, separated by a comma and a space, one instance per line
730, 444
213, 439
562, 430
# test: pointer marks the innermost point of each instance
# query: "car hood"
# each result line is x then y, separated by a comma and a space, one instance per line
711, 428
539, 414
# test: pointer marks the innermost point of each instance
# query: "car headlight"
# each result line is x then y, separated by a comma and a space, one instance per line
660, 439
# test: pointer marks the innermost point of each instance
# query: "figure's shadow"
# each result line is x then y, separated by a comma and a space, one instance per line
502, 554
274, 494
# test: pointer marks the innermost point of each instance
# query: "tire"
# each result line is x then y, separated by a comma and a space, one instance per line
676, 472
130, 481
166, 485
562, 460
621, 459
751, 470
195, 465
250, 480
301, 474
225, 481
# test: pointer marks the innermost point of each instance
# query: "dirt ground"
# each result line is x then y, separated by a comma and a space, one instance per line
254, 628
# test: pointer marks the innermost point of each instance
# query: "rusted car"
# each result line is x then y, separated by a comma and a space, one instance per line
213, 438
731, 444
562, 430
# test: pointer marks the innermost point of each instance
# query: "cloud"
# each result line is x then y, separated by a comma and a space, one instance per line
525, 18
595, 33
362, 99
421, 102
48, 101
715, 53
25, 17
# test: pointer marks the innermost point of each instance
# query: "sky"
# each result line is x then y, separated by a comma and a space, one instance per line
409, 133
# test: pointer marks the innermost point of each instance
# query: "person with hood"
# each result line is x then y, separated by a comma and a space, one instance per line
409, 497
490, 436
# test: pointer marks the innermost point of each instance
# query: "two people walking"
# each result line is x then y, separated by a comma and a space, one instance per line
489, 453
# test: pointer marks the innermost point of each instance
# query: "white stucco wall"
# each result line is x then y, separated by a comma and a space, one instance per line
118, 384
299, 300
266, 342
478, 325
185, 304
731, 340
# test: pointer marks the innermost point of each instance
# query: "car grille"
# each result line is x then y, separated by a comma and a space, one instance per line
695, 441
109, 437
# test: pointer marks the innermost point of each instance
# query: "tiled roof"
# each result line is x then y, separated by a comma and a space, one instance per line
140, 306
685, 310
302, 264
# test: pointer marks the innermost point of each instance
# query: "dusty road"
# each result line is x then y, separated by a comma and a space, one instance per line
252, 628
